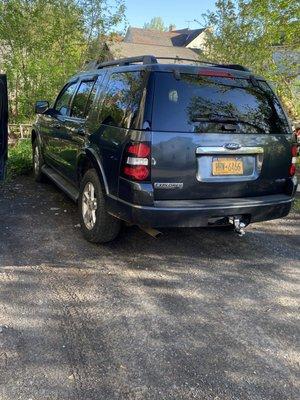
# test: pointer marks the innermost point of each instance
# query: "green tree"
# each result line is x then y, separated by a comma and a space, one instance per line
260, 34
43, 43
101, 20
156, 23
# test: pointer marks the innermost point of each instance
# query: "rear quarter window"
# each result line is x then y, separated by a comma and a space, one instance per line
121, 105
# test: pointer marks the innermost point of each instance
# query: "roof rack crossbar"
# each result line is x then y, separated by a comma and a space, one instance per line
184, 59
149, 59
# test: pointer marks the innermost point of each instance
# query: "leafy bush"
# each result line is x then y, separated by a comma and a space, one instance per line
296, 206
19, 159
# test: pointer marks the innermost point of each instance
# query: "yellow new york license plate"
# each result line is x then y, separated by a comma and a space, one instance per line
227, 166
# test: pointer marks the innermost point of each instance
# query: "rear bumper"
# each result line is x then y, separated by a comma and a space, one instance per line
199, 213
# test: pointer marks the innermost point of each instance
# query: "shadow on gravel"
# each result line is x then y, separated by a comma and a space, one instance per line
198, 314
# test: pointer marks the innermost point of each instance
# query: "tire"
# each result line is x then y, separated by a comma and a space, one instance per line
97, 225
38, 162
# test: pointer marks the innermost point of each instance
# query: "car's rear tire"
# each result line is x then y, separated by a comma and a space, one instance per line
97, 225
38, 162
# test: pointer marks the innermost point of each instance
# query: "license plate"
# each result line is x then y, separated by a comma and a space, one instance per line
227, 166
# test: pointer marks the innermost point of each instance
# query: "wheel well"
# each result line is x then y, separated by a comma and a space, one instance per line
86, 163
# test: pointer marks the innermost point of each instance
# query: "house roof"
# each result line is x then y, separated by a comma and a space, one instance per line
123, 50
186, 36
180, 38
149, 36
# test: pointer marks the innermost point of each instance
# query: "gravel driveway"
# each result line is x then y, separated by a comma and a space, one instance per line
195, 314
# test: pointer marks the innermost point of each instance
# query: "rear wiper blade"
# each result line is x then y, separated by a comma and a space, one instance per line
232, 120
241, 121
210, 118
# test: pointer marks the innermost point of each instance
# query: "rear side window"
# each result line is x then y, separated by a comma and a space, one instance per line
122, 100
83, 99
62, 104
203, 104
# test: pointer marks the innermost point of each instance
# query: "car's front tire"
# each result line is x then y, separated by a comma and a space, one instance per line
38, 162
97, 225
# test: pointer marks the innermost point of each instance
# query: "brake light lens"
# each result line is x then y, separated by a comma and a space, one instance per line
139, 149
294, 152
292, 170
217, 74
136, 161
138, 173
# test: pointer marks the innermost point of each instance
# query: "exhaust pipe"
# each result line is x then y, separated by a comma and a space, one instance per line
239, 225
151, 231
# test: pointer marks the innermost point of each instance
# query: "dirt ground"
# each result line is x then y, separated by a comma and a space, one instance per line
195, 314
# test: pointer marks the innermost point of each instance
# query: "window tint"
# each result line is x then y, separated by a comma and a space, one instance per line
83, 99
122, 100
198, 103
62, 103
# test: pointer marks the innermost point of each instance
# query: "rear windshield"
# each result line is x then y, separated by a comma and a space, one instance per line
197, 103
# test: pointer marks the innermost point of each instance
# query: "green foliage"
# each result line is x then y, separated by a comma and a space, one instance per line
43, 43
296, 206
19, 159
263, 35
156, 23
100, 18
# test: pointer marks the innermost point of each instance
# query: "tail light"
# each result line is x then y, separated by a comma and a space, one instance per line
136, 161
294, 160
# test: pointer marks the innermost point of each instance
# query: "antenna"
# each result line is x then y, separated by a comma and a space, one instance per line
189, 22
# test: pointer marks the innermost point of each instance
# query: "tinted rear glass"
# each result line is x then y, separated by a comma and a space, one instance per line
197, 103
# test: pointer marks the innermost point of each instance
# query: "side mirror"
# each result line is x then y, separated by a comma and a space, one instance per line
65, 111
41, 106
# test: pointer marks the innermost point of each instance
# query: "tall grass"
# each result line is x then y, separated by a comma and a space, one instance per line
19, 159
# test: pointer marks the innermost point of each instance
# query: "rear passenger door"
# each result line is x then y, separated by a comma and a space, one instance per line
75, 125
120, 112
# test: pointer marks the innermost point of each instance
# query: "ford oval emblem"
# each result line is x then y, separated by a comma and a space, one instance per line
232, 146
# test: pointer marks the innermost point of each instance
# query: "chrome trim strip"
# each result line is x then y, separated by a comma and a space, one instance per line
222, 150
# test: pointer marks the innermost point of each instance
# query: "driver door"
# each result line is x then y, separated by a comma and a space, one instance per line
54, 130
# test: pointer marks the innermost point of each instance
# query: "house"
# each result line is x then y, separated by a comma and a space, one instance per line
174, 44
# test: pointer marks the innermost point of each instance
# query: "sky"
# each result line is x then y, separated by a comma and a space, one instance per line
175, 12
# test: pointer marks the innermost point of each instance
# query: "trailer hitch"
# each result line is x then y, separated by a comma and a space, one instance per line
238, 224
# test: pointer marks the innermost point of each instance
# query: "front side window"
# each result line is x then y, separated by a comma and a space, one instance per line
122, 100
62, 104
83, 99
196, 103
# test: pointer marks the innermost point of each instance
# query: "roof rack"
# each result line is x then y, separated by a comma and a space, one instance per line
184, 59
233, 66
149, 59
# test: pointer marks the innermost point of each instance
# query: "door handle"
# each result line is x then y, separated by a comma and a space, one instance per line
80, 131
